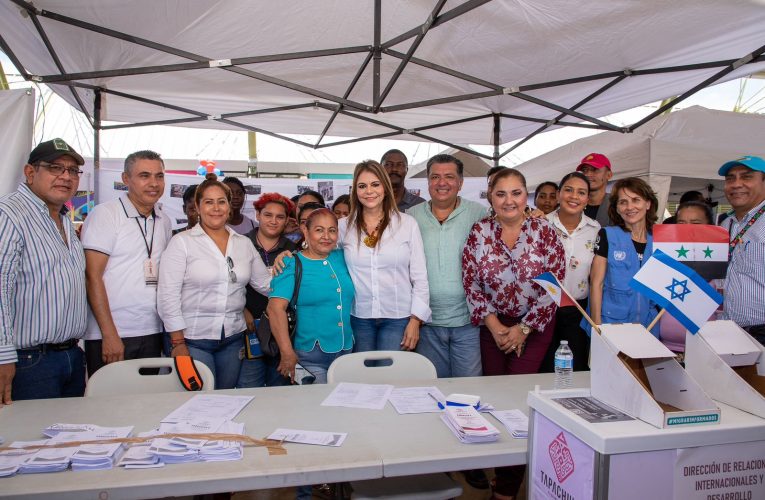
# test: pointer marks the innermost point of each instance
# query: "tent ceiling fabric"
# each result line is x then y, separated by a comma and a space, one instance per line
472, 65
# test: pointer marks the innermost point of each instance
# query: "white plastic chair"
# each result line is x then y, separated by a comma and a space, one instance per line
404, 365
124, 377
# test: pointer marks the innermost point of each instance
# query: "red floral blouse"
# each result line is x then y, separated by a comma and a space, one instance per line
497, 279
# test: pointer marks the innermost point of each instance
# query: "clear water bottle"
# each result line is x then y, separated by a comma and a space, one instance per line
564, 366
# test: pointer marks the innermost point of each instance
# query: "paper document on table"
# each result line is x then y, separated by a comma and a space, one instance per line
416, 399
351, 395
209, 406
515, 421
309, 437
469, 425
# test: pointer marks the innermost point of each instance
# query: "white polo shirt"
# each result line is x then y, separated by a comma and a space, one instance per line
115, 228
580, 250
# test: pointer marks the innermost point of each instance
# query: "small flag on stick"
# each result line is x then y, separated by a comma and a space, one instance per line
549, 282
678, 289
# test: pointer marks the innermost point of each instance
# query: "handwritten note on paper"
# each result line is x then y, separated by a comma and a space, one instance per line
351, 395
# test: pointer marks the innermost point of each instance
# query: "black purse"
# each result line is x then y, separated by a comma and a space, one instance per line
266, 337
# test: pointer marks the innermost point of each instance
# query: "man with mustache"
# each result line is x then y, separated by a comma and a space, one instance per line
396, 164
42, 281
745, 280
124, 240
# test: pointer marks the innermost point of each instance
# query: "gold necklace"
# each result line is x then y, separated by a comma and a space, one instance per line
371, 238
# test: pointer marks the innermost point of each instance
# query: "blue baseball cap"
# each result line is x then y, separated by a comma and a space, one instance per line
753, 162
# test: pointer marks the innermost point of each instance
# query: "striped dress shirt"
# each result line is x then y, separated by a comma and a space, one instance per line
42, 279
745, 282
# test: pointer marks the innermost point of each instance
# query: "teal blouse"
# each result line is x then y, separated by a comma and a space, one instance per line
324, 302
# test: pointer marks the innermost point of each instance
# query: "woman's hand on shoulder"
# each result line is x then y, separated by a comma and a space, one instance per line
279, 263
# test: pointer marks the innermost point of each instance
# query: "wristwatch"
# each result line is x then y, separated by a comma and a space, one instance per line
525, 329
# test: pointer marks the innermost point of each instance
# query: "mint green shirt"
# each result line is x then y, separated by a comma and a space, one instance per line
443, 255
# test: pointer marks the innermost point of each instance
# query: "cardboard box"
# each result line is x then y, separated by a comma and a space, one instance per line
634, 372
729, 364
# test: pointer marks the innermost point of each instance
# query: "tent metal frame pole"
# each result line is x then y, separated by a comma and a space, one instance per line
377, 62
424, 28
556, 120
347, 94
188, 55
263, 131
495, 138
207, 64
441, 100
59, 65
451, 145
444, 69
359, 139
561, 109
446, 16
12, 56
672, 102
96, 145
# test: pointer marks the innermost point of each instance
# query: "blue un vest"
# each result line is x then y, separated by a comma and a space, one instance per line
621, 303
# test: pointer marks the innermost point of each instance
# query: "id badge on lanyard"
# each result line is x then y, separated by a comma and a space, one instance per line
150, 273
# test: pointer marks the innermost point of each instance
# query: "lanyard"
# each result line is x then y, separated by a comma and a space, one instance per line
149, 245
740, 236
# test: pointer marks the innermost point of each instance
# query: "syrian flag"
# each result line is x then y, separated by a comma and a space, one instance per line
701, 247
552, 286
677, 288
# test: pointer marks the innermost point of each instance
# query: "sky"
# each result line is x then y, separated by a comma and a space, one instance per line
61, 120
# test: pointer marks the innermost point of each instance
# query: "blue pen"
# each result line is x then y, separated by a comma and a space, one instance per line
440, 406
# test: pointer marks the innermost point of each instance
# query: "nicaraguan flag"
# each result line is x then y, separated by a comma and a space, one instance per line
552, 286
701, 247
678, 289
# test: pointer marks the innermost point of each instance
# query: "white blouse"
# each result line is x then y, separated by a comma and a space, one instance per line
195, 292
580, 249
391, 279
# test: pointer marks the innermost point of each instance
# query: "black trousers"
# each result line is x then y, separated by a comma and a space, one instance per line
145, 346
567, 328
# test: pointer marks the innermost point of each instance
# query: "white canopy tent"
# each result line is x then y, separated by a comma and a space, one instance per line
678, 152
452, 71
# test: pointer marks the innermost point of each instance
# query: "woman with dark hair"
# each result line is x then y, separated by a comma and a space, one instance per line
578, 234
201, 286
342, 206
620, 252
385, 256
308, 196
503, 254
323, 306
238, 221
546, 197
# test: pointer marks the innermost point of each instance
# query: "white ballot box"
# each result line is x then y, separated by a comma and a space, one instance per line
636, 374
581, 449
728, 364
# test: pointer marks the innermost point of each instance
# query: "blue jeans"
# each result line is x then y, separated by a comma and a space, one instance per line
317, 361
49, 374
382, 334
259, 373
455, 351
223, 357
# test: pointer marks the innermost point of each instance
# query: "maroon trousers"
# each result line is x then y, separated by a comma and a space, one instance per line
496, 362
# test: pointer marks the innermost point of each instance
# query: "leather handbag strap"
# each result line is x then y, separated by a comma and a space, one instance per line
298, 279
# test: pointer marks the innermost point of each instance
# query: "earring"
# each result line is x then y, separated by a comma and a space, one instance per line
304, 245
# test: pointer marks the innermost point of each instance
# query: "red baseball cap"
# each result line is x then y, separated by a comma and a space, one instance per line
595, 160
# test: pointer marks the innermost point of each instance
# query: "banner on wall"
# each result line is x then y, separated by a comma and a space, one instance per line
16, 136
111, 187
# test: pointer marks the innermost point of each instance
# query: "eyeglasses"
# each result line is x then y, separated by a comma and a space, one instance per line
58, 169
231, 273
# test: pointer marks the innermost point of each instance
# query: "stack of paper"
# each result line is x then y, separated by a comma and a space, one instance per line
11, 460
469, 425
219, 450
417, 400
353, 395
97, 456
137, 456
47, 459
516, 423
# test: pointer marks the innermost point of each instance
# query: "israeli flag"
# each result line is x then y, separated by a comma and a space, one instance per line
678, 289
